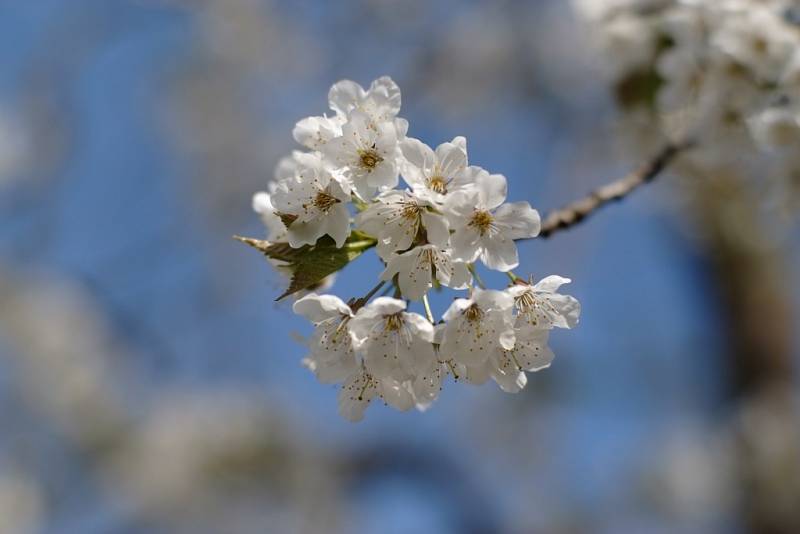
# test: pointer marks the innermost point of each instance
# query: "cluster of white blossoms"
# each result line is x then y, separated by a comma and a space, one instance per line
726, 72
428, 235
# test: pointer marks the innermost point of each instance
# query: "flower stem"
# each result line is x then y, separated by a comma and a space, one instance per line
476, 276
575, 212
428, 311
358, 303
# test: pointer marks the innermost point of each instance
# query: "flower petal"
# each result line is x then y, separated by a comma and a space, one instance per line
437, 229
355, 396
466, 243
519, 219
318, 308
345, 95
492, 189
499, 252
397, 394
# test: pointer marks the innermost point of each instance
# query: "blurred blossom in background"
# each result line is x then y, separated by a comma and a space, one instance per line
149, 382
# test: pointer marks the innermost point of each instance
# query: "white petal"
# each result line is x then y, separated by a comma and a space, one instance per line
344, 96
461, 142
401, 127
397, 394
314, 132
262, 203
427, 385
437, 229
531, 350
499, 252
338, 224
466, 243
452, 157
456, 309
460, 206
355, 396
566, 310
386, 305
519, 218
413, 273
333, 371
458, 276
286, 168
384, 175
506, 374
387, 354
420, 160
421, 326
415, 282
317, 308
479, 373
466, 341
386, 94
305, 233
492, 189
399, 263
550, 284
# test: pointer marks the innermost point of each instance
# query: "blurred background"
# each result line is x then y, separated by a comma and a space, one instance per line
150, 384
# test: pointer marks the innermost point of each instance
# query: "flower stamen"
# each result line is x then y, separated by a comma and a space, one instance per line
393, 322
324, 201
438, 184
369, 158
473, 313
482, 221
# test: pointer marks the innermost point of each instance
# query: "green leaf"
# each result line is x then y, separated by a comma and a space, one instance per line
310, 264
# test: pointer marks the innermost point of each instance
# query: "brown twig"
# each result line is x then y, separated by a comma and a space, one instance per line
577, 211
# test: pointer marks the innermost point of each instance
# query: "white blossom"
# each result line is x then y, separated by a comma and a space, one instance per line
331, 355
430, 235
486, 228
433, 175
262, 204
728, 77
394, 343
316, 132
396, 217
381, 102
476, 326
362, 387
507, 367
416, 269
757, 39
541, 306
367, 153
312, 204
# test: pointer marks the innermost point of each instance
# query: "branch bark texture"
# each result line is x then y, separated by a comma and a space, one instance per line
577, 211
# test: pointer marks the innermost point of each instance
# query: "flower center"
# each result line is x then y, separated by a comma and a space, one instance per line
369, 158
438, 184
526, 302
482, 220
410, 211
323, 201
393, 322
473, 313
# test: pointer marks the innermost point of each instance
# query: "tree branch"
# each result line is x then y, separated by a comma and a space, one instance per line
577, 211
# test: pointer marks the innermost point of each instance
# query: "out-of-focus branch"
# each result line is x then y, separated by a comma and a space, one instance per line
577, 211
